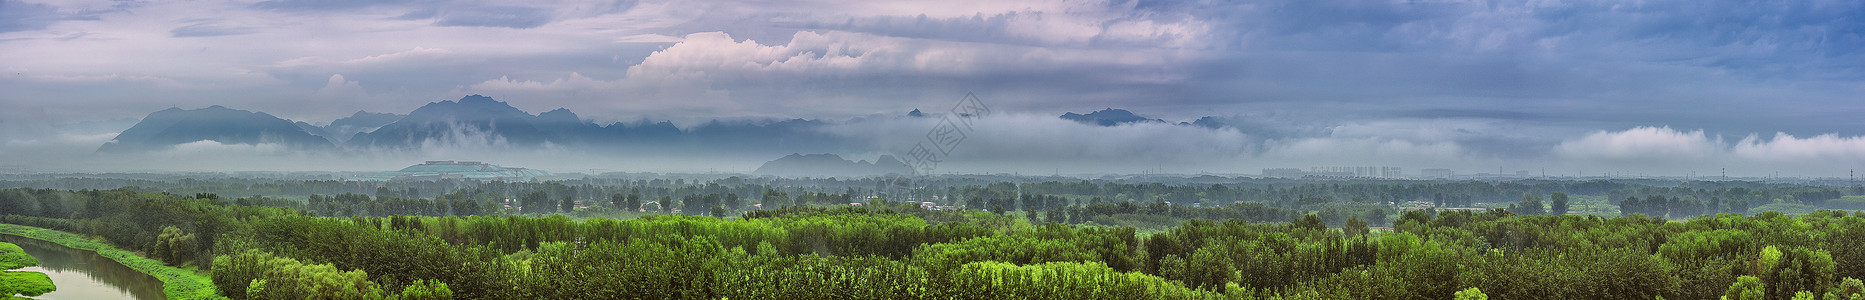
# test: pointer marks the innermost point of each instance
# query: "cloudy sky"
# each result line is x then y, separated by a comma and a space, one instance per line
1573, 87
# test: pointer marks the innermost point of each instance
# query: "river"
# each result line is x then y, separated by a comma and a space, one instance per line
83, 274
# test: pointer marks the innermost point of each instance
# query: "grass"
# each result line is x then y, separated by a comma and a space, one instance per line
177, 283
1791, 209
1847, 202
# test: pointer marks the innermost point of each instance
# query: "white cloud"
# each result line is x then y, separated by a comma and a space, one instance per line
216, 148
418, 53
114, 79
1825, 149
1669, 151
1367, 151
833, 73
1643, 144
1007, 142
338, 89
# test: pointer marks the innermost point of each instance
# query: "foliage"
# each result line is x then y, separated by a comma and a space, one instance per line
1786, 208
256, 274
1471, 294
21, 283
1063, 280
1745, 288
176, 283
1052, 240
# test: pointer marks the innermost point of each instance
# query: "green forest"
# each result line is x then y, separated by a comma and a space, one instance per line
737, 238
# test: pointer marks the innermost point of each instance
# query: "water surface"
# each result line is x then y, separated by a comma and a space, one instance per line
85, 275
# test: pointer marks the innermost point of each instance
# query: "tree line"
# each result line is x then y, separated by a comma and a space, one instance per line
353, 246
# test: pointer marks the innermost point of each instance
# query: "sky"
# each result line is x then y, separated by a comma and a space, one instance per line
1670, 87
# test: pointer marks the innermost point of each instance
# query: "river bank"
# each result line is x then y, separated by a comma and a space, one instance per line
177, 283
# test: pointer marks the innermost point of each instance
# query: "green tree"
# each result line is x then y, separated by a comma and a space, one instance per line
424, 290
174, 246
1745, 288
567, 205
774, 199
1530, 205
1848, 289
1471, 294
266, 276
1559, 205
732, 202
1355, 226
1310, 221
536, 202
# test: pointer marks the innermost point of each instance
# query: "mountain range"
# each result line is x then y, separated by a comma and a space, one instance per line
174, 126
471, 120
482, 121
343, 129
831, 165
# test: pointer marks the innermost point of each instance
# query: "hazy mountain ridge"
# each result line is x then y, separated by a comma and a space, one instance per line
341, 130
471, 119
1109, 117
831, 165
483, 121
164, 129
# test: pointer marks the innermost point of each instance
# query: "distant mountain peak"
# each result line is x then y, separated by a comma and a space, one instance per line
437, 121
341, 130
477, 99
1208, 122
560, 115
364, 114
1108, 117
167, 128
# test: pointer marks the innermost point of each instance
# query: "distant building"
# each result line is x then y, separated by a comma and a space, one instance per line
1337, 172
1435, 173
1284, 172
459, 170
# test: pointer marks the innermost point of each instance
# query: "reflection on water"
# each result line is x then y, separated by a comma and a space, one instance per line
83, 274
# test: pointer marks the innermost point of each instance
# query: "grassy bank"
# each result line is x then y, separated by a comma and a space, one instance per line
176, 283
